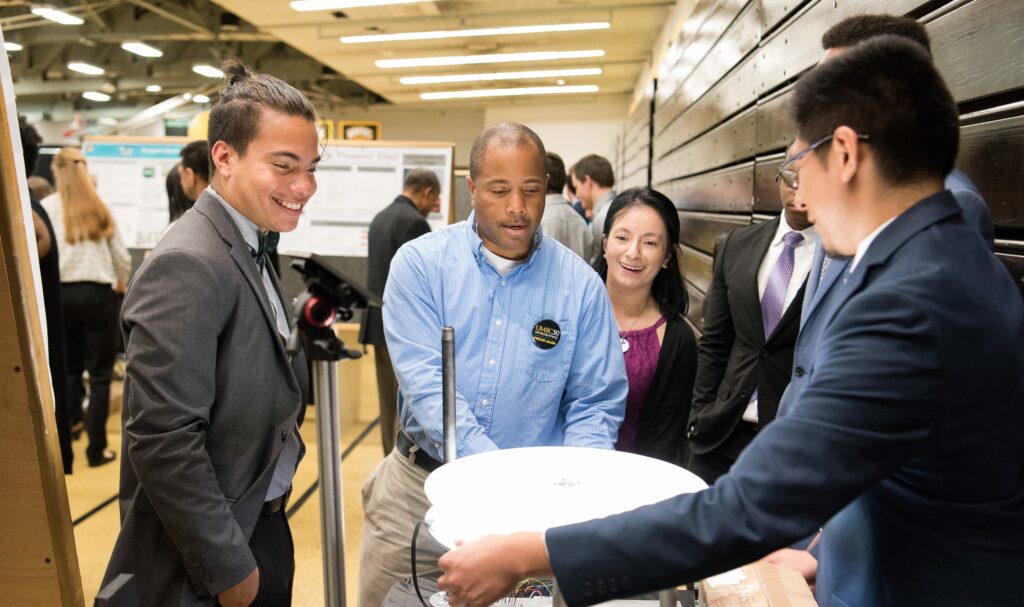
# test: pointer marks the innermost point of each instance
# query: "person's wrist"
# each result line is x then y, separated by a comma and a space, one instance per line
532, 553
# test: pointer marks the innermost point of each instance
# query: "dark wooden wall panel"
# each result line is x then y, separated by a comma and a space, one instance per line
992, 154
696, 267
695, 313
727, 190
979, 47
702, 230
766, 190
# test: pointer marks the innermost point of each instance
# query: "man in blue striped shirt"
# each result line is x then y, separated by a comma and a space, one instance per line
537, 349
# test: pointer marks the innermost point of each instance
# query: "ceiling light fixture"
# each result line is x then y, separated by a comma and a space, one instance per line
200, 99
48, 12
10, 47
495, 58
485, 31
586, 71
85, 68
96, 96
141, 49
207, 70
337, 5
154, 88
531, 90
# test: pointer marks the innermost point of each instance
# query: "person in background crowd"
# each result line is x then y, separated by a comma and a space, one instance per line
177, 201
94, 267
49, 274
570, 194
594, 181
38, 185
560, 221
751, 320
640, 268
401, 221
194, 169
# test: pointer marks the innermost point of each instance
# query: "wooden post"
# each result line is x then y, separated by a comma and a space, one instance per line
38, 561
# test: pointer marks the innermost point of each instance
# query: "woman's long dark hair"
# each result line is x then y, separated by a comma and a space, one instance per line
668, 290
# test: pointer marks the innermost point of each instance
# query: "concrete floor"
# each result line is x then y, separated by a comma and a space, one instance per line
89, 488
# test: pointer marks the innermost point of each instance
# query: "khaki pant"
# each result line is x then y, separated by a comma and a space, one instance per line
393, 502
387, 393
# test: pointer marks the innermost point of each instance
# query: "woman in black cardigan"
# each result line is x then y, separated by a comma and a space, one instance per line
640, 267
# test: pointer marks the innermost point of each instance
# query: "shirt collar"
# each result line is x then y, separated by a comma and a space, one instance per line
862, 248
249, 230
784, 228
477, 244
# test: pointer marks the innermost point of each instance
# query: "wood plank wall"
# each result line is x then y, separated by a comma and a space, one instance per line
718, 121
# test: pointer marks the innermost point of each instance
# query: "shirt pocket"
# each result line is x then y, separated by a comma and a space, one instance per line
543, 346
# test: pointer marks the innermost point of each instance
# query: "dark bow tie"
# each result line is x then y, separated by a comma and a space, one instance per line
268, 244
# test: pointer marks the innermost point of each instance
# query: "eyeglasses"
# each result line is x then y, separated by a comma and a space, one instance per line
787, 176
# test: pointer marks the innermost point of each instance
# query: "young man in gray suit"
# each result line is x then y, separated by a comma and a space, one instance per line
212, 401
401, 221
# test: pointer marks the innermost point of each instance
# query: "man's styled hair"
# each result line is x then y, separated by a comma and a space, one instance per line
888, 89
857, 29
504, 134
196, 156
235, 118
555, 169
30, 142
420, 179
597, 168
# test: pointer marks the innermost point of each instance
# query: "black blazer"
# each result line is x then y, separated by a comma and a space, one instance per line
396, 225
661, 433
733, 357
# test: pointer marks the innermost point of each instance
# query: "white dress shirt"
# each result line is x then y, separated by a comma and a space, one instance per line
803, 255
862, 248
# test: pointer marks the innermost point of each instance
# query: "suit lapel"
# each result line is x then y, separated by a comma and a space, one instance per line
760, 241
240, 254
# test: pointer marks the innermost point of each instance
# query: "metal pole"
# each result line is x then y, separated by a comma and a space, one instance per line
332, 521
448, 393
556, 597
667, 598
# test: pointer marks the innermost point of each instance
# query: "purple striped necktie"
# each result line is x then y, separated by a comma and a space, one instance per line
774, 298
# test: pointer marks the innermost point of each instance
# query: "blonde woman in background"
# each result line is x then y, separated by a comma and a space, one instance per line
94, 266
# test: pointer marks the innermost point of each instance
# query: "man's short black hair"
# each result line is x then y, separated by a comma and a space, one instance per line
196, 156
420, 179
857, 29
597, 168
506, 134
555, 169
30, 142
235, 118
886, 88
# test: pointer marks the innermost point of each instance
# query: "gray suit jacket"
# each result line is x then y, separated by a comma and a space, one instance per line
210, 396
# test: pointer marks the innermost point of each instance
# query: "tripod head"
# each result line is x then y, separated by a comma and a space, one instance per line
330, 295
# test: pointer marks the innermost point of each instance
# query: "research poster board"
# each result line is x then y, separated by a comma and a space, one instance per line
355, 181
131, 175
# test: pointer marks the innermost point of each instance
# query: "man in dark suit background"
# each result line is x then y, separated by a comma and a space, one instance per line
909, 438
212, 400
401, 221
751, 320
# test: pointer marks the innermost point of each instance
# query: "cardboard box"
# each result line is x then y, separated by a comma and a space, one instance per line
760, 584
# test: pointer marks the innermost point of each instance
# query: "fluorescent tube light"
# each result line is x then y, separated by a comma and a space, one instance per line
495, 58
10, 47
154, 88
48, 12
200, 99
207, 70
96, 96
85, 68
144, 50
531, 90
337, 5
586, 71
485, 31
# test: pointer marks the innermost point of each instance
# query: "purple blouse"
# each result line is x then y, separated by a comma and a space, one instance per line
641, 362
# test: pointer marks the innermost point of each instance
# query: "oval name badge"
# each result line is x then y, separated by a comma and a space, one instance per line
546, 334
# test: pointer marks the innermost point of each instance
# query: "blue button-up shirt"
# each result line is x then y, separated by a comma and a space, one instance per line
509, 391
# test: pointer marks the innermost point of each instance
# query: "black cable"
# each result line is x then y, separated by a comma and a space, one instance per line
415, 581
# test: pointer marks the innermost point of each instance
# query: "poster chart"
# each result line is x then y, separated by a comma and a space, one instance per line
355, 181
130, 176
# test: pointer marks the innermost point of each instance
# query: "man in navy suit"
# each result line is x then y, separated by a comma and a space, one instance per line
908, 440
